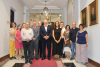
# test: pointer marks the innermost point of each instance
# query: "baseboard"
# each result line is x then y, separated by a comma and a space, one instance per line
4, 59
96, 64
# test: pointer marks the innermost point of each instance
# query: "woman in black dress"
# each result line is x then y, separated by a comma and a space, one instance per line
57, 34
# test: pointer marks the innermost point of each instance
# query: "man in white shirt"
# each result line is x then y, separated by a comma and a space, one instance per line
63, 29
27, 35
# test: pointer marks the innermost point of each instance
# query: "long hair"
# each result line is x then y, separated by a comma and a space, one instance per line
55, 24
67, 26
12, 23
18, 26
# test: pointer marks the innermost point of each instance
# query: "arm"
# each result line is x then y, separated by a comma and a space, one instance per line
37, 34
11, 32
70, 37
41, 32
31, 35
22, 35
76, 38
50, 31
60, 36
15, 35
87, 40
53, 36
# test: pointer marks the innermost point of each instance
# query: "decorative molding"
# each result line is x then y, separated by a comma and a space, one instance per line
96, 64
48, 2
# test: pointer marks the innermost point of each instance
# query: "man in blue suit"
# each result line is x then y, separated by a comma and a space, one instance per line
46, 32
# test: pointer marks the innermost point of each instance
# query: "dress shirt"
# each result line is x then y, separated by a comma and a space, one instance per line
63, 30
46, 28
27, 33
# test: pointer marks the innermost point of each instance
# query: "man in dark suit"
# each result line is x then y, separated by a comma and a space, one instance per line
39, 44
35, 40
46, 32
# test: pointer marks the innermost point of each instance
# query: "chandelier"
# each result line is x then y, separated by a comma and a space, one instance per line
45, 10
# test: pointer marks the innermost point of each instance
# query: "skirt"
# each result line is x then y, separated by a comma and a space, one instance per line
81, 53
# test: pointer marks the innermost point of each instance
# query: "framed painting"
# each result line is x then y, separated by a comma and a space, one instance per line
93, 13
84, 17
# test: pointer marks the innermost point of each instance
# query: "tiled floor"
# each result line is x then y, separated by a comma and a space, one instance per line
10, 63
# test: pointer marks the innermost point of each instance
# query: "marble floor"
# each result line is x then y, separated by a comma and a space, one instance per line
13, 62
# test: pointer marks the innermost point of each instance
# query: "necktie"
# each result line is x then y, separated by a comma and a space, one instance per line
34, 27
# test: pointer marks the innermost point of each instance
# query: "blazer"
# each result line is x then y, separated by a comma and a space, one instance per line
36, 33
44, 33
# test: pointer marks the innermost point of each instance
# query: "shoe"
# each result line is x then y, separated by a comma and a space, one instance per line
30, 62
32, 58
23, 57
37, 58
49, 58
14, 57
42, 58
11, 58
72, 59
26, 61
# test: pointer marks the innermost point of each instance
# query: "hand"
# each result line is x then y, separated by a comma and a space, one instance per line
56, 41
34, 39
47, 37
27, 39
70, 42
20, 41
86, 45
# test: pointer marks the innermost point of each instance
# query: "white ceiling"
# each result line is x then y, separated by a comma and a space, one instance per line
40, 4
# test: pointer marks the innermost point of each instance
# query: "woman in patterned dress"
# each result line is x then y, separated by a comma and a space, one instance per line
81, 45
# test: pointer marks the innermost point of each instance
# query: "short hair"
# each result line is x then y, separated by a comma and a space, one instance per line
18, 26
81, 25
67, 26
23, 23
61, 22
55, 24
12, 23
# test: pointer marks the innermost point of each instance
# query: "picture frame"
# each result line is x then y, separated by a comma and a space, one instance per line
93, 13
84, 17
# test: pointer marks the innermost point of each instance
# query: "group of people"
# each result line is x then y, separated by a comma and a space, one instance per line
29, 39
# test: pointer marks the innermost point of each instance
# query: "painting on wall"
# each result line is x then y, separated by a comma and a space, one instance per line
93, 13
84, 17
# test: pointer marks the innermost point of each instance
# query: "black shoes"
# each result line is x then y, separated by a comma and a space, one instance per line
30, 62
26, 61
14, 57
37, 58
49, 58
11, 58
45, 58
32, 58
42, 58
72, 59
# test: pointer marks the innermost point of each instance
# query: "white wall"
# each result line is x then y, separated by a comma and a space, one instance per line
5, 6
93, 31
69, 12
